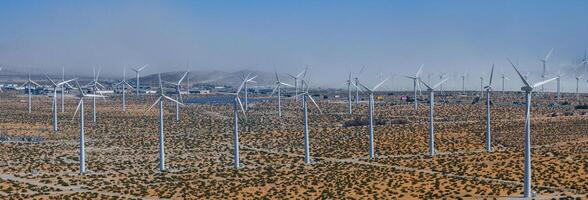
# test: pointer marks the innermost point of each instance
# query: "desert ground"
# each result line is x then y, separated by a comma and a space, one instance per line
122, 150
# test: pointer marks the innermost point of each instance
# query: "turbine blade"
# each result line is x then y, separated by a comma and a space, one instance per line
97, 75
277, 78
440, 82
543, 82
419, 71
175, 101
380, 84
315, 104
64, 82
97, 83
35, 83
364, 87
77, 108
519, 73
548, 54
156, 101
360, 71
141, 68
300, 74
129, 85
241, 86
80, 88
286, 84
422, 82
491, 75
167, 82
251, 79
275, 89
241, 106
50, 80
181, 79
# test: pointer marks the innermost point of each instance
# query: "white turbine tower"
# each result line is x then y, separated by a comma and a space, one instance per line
415, 84
349, 83
544, 63
54, 102
279, 89
463, 77
123, 83
236, 105
160, 100
298, 76
370, 115
63, 89
80, 107
481, 86
441, 77
559, 75
95, 88
179, 94
29, 84
585, 60
431, 91
247, 80
357, 85
578, 77
528, 89
488, 91
305, 97
503, 78
137, 70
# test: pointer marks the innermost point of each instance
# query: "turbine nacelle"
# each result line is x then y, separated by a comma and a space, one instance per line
528, 87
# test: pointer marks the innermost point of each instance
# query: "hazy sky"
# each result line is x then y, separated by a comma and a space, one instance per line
333, 37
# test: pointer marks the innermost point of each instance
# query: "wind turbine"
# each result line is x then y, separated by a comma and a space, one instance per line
95, 88
80, 107
303, 72
278, 88
415, 84
247, 80
159, 100
236, 105
431, 91
585, 60
54, 102
559, 75
63, 89
503, 78
528, 89
305, 97
441, 77
544, 62
481, 86
371, 113
137, 70
357, 85
124, 84
463, 77
179, 93
29, 84
577, 86
488, 91
349, 83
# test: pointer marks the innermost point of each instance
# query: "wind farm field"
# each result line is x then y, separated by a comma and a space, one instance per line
122, 152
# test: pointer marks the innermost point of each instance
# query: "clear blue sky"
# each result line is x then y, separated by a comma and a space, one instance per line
392, 37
